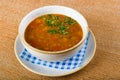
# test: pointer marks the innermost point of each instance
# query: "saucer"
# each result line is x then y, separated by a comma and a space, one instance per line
47, 71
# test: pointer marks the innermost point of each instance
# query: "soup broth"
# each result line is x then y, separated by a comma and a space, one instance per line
53, 32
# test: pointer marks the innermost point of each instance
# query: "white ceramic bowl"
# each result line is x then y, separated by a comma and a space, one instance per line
53, 55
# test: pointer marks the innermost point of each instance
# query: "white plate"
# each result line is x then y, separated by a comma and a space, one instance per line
46, 71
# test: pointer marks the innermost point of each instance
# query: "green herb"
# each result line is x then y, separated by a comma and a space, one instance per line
67, 27
42, 17
52, 31
69, 21
64, 32
63, 29
49, 16
73, 22
56, 17
58, 24
50, 22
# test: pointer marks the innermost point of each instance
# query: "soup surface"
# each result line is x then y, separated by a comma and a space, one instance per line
53, 32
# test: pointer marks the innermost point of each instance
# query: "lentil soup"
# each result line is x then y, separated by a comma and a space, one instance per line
53, 32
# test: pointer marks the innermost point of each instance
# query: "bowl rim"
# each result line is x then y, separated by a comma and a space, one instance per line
53, 52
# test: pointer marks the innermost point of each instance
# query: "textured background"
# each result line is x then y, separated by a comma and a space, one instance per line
103, 18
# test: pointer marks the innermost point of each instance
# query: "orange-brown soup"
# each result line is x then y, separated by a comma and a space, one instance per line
53, 32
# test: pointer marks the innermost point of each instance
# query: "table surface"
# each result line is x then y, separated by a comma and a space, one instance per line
103, 17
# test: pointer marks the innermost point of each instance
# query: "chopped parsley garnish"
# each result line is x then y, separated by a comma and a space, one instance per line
69, 21
50, 22
52, 31
57, 25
